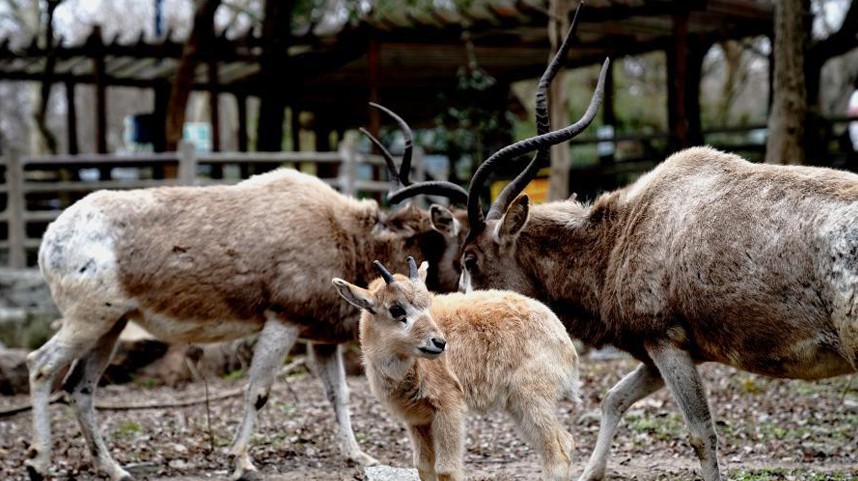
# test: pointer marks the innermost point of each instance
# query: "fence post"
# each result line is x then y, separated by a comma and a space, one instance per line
419, 172
15, 206
348, 159
187, 163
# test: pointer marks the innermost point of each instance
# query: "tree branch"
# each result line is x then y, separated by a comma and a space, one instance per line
840, 41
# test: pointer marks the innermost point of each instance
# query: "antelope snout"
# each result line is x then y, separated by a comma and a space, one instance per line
433, 348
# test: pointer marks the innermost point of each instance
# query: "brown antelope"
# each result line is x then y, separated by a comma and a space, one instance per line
706, 258
205, 264
429, 358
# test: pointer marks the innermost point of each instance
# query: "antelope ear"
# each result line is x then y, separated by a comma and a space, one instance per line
423, 271
443, 221
514, 220
355, 296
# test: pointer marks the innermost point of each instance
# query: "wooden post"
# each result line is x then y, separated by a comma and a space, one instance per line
295, 127
100, 94
419, 172
609, 116
373, 60
348, 154
71, 119
159, 112
561, 160
15, 207
214, 113
214, 107
676, 76
241, 101
241, 132
187, 163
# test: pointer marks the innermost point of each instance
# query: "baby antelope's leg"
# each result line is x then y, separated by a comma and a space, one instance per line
534, 413
448, 440
424, 454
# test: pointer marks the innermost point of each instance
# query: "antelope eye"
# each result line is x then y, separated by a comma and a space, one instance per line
471, 262
397, 312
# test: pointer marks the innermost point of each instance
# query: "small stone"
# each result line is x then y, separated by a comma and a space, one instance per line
590, 417
179, 464
389, 473
179, 448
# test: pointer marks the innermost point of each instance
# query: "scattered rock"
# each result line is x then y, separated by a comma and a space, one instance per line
180, 464
590, 417
389, 473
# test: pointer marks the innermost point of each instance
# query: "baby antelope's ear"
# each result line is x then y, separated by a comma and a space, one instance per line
423, 271
355, 296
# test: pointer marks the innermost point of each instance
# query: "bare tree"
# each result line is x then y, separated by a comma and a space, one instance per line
198, 44
839, 42
48, 139
786, 121
276, 33
558, 24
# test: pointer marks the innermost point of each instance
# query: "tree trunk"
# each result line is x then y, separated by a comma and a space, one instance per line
785, 143
561, 162
198, 43
817, 129
48, 140
273, 73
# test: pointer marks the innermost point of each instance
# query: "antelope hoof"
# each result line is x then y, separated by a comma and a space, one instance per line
34, 473
250, 476
361, 459
591, 477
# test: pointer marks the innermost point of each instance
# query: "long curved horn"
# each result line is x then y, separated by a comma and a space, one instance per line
404, 172
412, 269
402, 175
543, 124
533, 143
385, 274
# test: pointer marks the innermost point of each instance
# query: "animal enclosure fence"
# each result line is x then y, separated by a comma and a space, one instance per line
37, 189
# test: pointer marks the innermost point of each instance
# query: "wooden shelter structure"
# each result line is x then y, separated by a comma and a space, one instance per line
403, 60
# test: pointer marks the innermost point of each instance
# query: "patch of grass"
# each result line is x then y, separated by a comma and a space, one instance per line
233, 375
128, 430
749, 385
146, 382
776, 474
665, 427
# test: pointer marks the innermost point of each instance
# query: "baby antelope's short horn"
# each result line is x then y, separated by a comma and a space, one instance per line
412, 269
385, 274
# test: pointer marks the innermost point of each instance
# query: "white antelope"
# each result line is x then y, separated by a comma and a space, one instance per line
430, 358
207, 264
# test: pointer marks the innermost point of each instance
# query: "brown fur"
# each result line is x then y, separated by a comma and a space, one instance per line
503, 351
755, 266
205, 264
711, 242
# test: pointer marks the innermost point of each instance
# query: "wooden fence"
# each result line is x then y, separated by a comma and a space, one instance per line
37, 189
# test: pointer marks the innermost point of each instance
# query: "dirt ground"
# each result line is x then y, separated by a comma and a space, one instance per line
769, 430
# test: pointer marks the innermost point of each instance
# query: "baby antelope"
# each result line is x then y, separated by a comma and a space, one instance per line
430, 358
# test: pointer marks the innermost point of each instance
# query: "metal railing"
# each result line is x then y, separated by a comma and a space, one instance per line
48, 176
